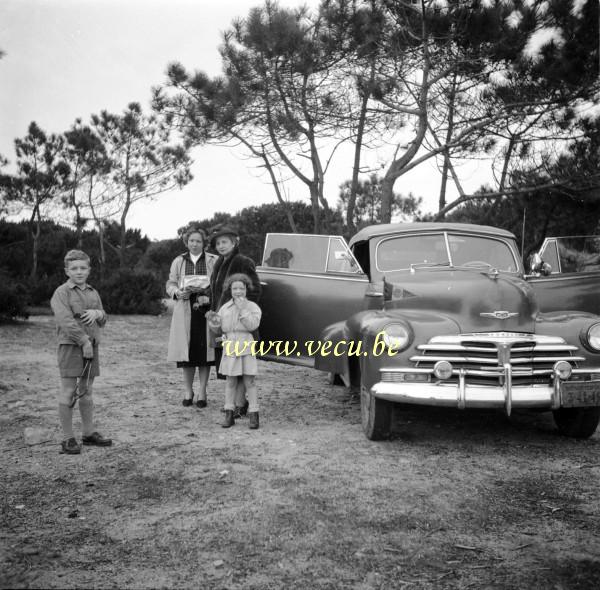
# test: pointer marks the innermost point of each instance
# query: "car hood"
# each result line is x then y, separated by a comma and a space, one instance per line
476, 300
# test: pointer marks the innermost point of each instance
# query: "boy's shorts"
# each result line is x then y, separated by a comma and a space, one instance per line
70, 361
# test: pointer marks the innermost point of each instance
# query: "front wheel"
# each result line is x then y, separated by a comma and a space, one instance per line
376, 415
577, 422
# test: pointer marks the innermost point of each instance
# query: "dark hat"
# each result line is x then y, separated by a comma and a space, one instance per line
225, 230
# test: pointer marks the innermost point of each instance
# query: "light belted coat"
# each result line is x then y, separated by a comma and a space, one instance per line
237, 327
179, 335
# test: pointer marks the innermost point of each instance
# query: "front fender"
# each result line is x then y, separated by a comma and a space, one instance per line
423, 324
336, 360
572, 326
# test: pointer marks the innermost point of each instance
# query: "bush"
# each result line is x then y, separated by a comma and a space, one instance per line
13, 299
41, 289
128, 291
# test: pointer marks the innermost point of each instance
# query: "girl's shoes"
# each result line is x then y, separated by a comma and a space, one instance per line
228, 421
241, 411
201, 403
253, 420
187, 402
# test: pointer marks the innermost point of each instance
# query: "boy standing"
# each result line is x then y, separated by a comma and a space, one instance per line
79, 316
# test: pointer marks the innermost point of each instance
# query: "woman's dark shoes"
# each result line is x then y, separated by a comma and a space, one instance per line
228, 421
201, 403
253, 416
187, 402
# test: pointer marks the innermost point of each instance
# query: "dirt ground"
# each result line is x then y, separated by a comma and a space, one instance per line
454, 500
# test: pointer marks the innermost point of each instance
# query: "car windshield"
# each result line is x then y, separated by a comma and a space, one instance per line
445, 249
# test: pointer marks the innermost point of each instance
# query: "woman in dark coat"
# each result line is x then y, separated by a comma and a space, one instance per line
225, 241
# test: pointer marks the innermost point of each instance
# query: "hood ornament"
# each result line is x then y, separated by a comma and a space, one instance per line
499, 315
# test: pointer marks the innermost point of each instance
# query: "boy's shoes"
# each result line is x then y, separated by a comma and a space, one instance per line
253, 420
70, 447
201, 403
97, 440
228, 420
187, 402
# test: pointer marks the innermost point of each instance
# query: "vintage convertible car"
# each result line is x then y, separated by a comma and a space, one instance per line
433, 314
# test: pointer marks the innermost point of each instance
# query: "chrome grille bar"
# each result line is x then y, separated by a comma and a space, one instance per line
494, 360
480, 356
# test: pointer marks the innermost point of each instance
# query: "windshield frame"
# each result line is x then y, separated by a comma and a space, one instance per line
448, 264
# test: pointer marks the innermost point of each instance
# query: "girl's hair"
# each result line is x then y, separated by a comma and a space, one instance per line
73, 255
239, 277
194, 229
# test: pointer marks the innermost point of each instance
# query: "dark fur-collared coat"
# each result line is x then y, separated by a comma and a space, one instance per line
225, 267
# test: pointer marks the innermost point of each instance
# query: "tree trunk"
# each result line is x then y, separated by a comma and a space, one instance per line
446, 167
316, 211
34, 230
102, 250
357, 153
282, 202
387, 194
79, 223
123, 238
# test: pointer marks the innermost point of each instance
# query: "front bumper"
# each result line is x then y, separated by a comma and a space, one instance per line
584, 390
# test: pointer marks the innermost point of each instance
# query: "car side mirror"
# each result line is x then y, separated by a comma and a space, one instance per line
537, 266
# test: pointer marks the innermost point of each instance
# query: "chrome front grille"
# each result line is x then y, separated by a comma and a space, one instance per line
480, 357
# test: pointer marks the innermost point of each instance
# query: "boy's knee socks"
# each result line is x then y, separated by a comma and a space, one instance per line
86, 410
65, 415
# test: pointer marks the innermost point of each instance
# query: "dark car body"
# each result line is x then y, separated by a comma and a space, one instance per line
431, 314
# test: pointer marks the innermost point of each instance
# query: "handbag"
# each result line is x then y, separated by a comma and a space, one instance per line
195, 281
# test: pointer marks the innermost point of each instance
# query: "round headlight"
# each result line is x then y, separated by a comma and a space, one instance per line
396, 336
593, 337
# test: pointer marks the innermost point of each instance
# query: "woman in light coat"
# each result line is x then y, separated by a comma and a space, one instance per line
189, 287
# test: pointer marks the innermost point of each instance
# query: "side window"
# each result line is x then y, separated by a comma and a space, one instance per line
340, 258
579, 253
361, 252
309, 253
296, 252
549, 254
591, 261
568, 258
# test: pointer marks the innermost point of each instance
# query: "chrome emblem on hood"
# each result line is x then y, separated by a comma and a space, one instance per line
499, 315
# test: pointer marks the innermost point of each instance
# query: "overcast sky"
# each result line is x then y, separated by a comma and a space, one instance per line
66, 59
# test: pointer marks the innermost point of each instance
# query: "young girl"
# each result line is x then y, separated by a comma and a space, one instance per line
236, 319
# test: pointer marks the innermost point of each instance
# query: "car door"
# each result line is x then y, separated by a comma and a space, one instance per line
574, 280
309, 282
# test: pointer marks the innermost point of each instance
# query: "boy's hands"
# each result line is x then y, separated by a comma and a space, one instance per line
89, 316
88, 350
182, 294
